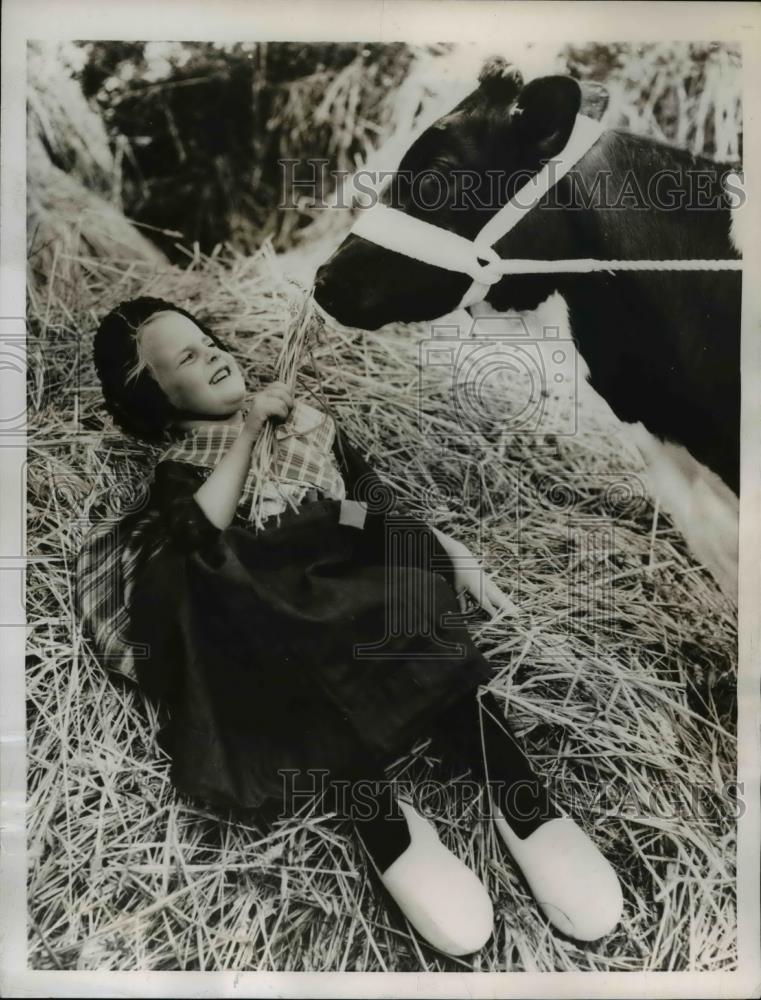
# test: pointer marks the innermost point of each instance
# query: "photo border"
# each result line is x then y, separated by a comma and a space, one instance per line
413, 21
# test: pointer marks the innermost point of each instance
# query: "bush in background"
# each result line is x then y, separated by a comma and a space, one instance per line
200, 127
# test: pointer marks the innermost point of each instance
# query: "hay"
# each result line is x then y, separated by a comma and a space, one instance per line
71, 131
299, 325
616, 670
68, 224
688, 93
74, 209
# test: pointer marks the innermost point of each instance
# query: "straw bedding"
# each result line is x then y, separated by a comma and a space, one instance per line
617, 669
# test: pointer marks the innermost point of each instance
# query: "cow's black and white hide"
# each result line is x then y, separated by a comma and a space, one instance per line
662, 348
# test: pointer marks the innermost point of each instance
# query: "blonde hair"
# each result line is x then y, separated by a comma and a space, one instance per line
135, 400
141, 364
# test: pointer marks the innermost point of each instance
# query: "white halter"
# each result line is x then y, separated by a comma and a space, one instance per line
395, 230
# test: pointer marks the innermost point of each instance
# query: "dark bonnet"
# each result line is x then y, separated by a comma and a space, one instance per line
138, 407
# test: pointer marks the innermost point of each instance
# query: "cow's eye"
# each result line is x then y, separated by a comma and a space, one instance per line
432, 189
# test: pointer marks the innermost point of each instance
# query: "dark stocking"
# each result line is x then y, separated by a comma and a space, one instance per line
474, 732
370, 802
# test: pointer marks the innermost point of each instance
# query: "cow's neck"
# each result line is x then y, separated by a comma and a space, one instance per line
661, 347
608, 209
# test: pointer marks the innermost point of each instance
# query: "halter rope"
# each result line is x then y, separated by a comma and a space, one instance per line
395, 230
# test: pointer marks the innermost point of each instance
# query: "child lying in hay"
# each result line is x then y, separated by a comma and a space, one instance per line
323, 640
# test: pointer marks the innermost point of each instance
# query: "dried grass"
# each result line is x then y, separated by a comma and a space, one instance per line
624, 694
299, 325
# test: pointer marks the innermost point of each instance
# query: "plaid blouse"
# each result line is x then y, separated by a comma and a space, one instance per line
303, 457
107, 561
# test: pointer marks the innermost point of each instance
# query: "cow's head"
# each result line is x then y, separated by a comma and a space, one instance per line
456, 175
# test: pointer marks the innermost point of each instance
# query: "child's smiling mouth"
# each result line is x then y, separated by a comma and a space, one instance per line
219, 374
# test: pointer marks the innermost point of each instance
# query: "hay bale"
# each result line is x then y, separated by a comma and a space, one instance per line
74, 211
68, 225
72, 133
617, 668
604, 670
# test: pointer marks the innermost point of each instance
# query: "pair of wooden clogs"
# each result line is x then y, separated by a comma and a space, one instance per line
448, 905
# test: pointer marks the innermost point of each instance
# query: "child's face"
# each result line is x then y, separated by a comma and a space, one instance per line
193, 372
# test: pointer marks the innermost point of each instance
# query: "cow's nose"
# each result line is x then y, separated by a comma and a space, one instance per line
322, 288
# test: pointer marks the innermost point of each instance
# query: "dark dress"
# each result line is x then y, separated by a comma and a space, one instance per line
310, 645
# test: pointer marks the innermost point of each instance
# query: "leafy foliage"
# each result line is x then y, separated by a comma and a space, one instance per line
687, 93
201, 127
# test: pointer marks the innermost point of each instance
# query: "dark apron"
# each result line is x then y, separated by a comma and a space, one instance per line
311, 645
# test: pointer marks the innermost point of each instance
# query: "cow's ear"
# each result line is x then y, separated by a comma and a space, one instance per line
594, 99
500, 79
545, 113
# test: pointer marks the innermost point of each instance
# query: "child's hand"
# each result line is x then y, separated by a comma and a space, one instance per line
274, 402
470, 578
475, 581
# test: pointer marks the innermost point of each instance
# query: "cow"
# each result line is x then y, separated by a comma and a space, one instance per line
662, 347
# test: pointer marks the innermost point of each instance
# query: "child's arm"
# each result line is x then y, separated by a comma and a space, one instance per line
219, 496
469, 576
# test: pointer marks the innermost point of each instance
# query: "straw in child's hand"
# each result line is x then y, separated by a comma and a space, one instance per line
264, 455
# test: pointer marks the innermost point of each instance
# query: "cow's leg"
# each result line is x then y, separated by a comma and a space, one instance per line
702, 507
